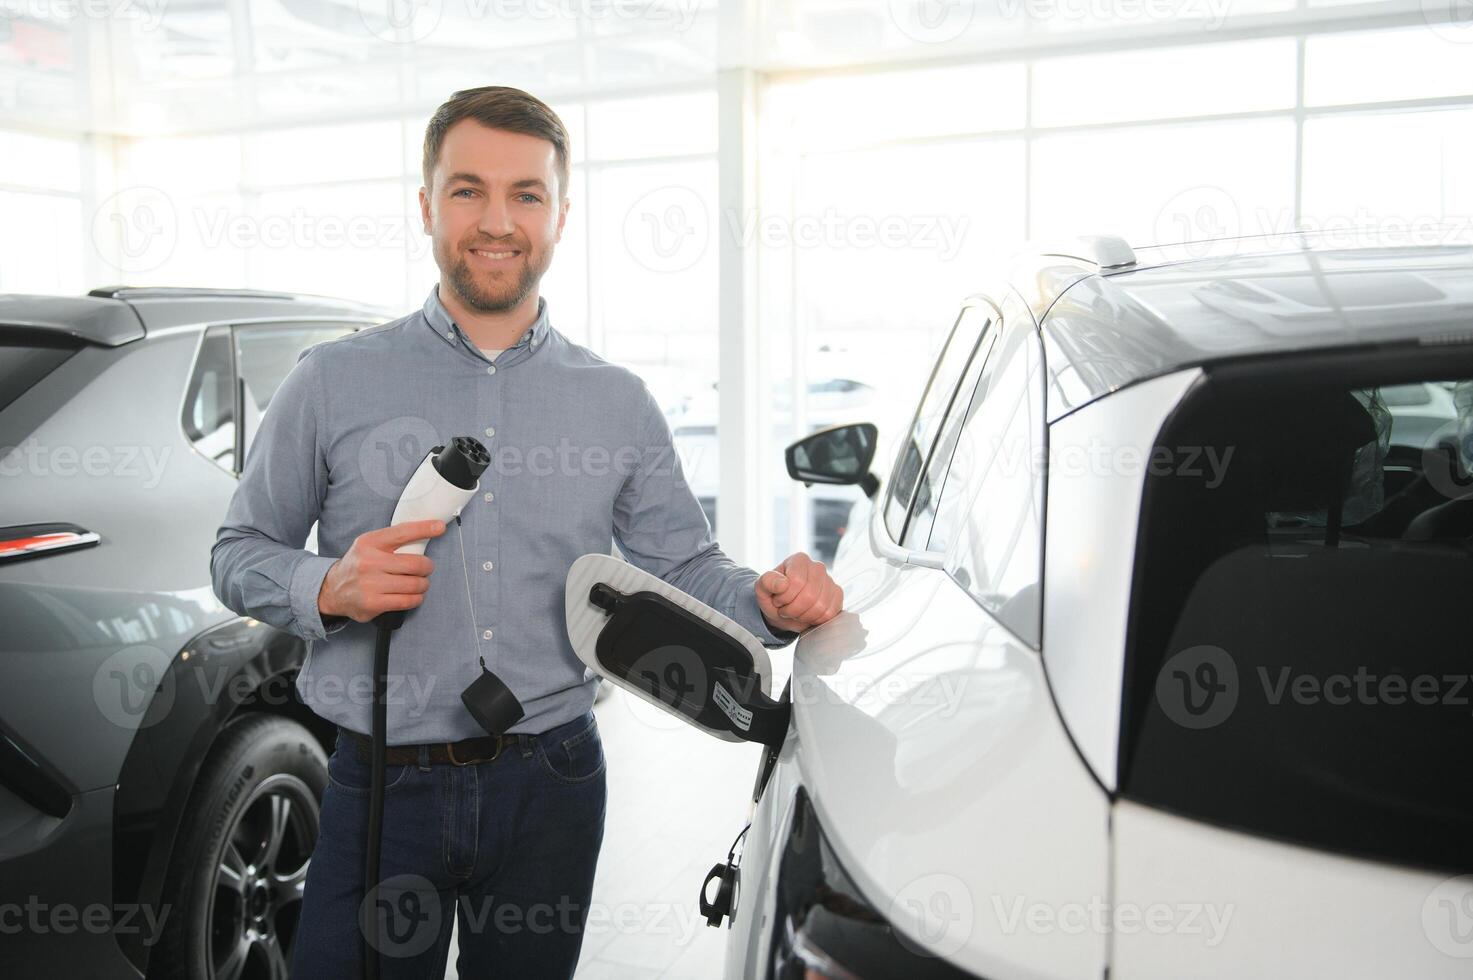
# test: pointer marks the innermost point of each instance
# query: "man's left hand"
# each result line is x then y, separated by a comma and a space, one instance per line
798, 594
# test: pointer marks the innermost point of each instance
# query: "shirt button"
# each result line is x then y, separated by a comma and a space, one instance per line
490, 497
449, 335
486, 635
491, 369
488, 565
490, 430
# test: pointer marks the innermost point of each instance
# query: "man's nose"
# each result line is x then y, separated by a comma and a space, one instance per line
496, 218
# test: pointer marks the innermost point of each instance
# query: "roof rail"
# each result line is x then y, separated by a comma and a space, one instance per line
1104, 251
183, 292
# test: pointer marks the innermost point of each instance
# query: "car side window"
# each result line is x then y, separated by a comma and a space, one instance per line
264, 356
209, 401
915, 448
928, 491
989, 518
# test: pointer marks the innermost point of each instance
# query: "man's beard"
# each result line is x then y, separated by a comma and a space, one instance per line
498, 298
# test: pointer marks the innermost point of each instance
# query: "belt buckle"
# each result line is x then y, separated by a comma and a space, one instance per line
450, 753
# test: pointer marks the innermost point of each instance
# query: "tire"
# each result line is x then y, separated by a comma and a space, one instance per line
235, 879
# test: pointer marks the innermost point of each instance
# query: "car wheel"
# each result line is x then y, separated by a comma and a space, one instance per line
238, 869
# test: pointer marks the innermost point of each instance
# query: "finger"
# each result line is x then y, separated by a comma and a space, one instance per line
389, 603
389, 538
800, 607
797, 573
407, 564
399, 584
772, 583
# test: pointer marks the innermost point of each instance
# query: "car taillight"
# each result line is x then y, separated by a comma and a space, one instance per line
31, 540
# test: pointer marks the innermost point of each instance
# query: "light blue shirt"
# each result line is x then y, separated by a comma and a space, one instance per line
581, 458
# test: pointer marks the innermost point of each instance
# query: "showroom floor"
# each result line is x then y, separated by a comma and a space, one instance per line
677, 798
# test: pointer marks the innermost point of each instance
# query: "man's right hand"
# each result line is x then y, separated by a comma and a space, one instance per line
371, 578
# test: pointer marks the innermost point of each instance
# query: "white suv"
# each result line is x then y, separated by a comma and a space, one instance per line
1155, 654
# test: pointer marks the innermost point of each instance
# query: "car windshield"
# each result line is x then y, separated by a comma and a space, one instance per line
1299, 662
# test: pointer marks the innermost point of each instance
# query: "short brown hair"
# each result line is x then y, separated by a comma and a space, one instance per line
499, 107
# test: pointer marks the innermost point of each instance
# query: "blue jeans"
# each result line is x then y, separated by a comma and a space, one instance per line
510, 845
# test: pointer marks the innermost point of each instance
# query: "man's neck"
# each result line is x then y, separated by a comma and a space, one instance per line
498, 331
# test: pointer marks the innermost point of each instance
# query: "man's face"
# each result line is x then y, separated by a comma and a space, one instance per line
495, 214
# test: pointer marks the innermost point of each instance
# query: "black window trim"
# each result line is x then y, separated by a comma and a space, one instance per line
971, 302
354, 323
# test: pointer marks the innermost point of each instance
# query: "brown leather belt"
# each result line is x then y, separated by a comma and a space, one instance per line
466, 752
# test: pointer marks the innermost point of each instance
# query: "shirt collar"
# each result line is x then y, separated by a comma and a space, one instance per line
448, 330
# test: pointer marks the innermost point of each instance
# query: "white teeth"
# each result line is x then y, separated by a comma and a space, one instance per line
493, 255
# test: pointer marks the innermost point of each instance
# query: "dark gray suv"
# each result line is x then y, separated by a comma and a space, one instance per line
159, 779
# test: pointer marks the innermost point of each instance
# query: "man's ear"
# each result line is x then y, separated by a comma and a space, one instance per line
424, 209
562, 218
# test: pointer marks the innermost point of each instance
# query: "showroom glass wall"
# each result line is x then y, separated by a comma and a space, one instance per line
898, 150
902, 181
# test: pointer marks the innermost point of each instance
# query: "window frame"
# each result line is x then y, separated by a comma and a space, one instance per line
993, 322
231, 330
1029, 353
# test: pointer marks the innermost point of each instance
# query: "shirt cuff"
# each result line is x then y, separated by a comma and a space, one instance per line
305, 587
749, 615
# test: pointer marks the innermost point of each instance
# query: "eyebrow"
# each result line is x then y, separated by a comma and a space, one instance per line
470, 178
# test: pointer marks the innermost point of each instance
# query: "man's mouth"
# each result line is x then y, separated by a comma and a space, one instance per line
495, 255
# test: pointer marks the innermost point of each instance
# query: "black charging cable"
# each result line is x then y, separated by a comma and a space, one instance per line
387, 623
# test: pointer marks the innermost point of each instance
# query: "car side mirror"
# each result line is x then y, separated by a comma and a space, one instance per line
840, 454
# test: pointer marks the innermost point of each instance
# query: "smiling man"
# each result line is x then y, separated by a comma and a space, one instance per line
499, 833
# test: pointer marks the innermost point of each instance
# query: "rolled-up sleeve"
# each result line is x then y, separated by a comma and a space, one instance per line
660, 527
258, 565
